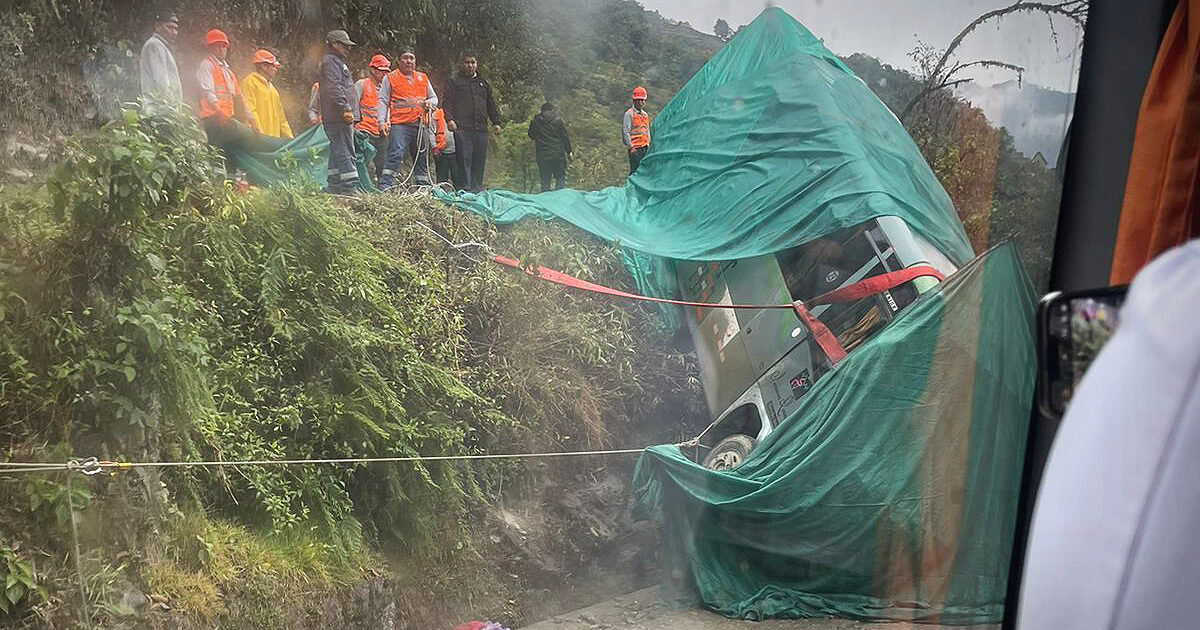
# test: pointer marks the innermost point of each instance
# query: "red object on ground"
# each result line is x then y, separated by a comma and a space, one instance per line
821, 333
471, 625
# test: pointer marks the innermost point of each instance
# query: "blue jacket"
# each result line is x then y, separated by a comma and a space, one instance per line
336, 88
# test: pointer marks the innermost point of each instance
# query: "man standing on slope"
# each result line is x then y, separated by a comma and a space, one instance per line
469, 105
339, 111
262, 97
221, 101
406, 99
551, 146
375, 128
635, 130
160, 74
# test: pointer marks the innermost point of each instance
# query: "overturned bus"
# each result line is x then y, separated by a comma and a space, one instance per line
756, 364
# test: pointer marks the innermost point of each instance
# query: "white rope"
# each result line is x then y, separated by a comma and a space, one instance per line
422, 127
91, 467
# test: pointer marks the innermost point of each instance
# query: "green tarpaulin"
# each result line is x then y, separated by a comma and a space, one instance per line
304, 158
891, 492
774, 142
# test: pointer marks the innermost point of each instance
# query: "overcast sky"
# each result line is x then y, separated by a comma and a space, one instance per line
889, 29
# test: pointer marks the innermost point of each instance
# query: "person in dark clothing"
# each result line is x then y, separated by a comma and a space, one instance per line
467, 100
551, 146
339, 112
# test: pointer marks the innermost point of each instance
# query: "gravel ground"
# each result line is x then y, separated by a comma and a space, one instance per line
644, 610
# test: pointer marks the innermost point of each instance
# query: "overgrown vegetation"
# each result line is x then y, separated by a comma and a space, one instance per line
148, 314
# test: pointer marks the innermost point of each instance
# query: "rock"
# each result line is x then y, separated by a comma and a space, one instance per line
19, 174
133, 598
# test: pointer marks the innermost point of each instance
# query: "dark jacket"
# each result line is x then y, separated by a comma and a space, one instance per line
336, 88
468, 103
549, 134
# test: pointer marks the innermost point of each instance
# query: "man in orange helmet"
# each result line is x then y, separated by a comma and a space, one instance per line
222, 110
635, 130
375, 128
262, 97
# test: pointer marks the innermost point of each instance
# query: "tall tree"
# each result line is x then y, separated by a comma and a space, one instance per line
722, 30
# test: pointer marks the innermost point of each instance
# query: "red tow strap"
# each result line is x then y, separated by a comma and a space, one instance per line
821, 333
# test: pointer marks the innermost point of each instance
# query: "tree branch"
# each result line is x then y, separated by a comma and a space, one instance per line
938, 77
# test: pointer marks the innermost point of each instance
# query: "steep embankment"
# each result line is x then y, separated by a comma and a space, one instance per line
147, 314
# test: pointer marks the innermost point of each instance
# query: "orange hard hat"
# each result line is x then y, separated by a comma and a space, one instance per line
265, 56
216, 36
380, 62
639, 92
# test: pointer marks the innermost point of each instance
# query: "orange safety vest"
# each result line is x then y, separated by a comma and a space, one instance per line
402, 88
439, 129
225, 86
639, 129
369, 105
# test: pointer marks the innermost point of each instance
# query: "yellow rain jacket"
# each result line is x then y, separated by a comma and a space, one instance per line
262, 99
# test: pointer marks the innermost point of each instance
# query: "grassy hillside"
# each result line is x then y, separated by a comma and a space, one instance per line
146, 314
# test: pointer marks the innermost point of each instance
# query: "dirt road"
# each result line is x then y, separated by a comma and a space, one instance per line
644, 610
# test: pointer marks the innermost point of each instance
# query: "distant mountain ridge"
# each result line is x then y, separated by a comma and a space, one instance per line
1035, 116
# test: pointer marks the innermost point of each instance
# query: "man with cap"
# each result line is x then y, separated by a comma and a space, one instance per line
375, 128
635, 130
406, 101
222, 109
160, 74
262, 98
339, 112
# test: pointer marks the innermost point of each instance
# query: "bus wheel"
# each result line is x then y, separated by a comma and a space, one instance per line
729, 453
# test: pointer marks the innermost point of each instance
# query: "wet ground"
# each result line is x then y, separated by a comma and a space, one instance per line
644, 610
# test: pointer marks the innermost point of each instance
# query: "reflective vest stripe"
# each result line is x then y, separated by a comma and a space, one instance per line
639, 130
369, 105
224, 86
402, 88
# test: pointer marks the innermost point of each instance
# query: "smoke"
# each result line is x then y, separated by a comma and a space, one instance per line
112, 77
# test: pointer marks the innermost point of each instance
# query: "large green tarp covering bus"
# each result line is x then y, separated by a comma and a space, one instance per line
891, 492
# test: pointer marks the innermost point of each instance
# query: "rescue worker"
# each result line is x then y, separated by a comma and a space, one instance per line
159, 72
445, 156
376, 129
551, 146
469, 105
407, 100
635, 130
339, 112
262, 97
223, 111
